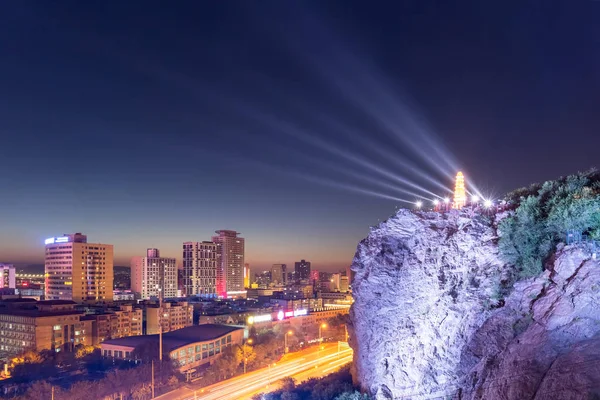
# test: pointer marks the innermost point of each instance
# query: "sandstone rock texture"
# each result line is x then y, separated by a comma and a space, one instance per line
429, 321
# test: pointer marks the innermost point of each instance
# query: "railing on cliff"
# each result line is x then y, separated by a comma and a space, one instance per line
578, 238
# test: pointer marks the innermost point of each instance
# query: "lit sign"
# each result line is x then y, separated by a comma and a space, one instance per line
52, 240
280, 315
260, 318
300, 312
289, 314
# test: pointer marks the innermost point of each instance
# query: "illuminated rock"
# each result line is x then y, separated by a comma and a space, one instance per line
427, 321
460, 195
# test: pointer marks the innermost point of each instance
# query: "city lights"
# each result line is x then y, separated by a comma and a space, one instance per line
436, 202
419, 203
446, 200
488, 203
475, 199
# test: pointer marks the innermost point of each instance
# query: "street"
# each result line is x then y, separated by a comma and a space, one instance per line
310, 363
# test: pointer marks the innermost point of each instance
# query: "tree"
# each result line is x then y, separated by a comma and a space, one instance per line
245, 354
82, 351
352, 396
225, 366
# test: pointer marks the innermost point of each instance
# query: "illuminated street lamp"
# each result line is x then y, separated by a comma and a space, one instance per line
475, 199
488, 203
419, 203
322, 326
446, 200
436, 202
285, 340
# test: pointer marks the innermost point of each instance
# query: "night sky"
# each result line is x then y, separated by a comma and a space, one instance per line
298, 123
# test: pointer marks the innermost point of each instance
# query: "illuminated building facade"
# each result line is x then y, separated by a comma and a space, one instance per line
154, 276
460, 195
77, 270
171, 316
7, 276
46, 325
200, 269
122, 322
191, 347
302, 270
230, 263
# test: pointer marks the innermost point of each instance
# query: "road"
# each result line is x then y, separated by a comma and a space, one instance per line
309, 363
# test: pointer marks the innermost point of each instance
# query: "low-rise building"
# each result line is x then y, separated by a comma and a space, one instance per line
192, 347
170, 315
26, 324
116, 323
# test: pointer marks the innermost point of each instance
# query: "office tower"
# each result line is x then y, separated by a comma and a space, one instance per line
7, 276
154, 276
230, 263
278, 274
246, 275
200, 269
77, 270
302, 270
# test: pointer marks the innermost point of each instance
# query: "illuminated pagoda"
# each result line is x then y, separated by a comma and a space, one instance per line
460, 195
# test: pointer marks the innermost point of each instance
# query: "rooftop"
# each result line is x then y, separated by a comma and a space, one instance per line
179, 338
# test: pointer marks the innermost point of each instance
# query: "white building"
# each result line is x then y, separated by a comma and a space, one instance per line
154, 276
200, 269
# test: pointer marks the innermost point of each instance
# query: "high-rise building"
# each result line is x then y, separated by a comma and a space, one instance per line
154, 276
246, 276
77, 270
230, 263
278, 274
200, 269
7, 276
302, 269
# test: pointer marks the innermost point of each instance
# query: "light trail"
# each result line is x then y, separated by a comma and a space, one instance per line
313, 363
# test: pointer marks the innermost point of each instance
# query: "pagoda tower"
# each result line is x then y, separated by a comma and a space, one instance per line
460, 195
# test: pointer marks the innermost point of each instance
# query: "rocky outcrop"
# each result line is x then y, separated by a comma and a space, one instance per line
429, 322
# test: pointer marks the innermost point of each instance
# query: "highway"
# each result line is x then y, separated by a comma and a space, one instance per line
309, 363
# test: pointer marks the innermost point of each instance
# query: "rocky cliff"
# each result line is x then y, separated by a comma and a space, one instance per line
430, 319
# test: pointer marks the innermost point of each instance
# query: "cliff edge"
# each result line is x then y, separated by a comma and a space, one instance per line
432, 319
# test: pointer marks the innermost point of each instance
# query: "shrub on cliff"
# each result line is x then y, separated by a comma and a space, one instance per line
543, 216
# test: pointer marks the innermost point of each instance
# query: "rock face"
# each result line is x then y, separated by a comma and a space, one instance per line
428, 320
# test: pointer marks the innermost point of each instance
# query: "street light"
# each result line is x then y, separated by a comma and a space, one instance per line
322, 326
285, 340
436, 202
487, 203
269, 376
475, 199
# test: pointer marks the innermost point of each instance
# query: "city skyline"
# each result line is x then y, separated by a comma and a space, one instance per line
300, 125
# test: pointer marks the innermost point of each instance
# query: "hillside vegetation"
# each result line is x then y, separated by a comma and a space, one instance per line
542, 217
